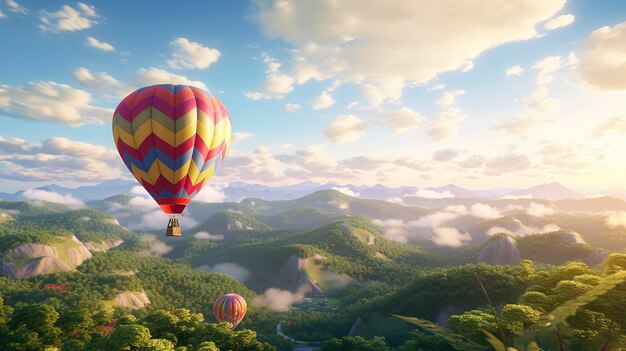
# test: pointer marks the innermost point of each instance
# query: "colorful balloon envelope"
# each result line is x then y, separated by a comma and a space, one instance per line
230, 308
172, 137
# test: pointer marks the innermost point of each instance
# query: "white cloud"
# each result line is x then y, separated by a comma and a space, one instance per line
2, 15
210, 193
560, 21
446, 125
538, 105
508, 163
96, 80
156, 247
547, 66
364, 163
449, 97
431, 194
458, 209
514, 71
446, 236
339, 205
474, 161
445, 155
100, 45
541, 102
15, 7
204, 235
50, 101
370, 45
437, 87
395, 200
435, 220
387, 89
346, 191
323, 101
147, 215
540, 210
291, 107
51, 196
68, 18
234, 270
241, 136
484, 211
254, 95
398, 234
401, 120
615, 124
277, 84
616, 220
602, 62
152, 76
139, 190
146, 203
259, 165
516, 197
565, 158
345, 129
190, 54
280, 300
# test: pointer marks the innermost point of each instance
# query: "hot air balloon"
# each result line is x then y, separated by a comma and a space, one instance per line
230, 308
172, 137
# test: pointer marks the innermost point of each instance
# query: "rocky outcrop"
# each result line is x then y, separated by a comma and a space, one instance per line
572, 238
132, 299
236, 224
500, 251
102, 245
297, 278
4, 217
33, 259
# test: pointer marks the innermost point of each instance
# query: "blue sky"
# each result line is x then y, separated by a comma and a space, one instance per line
413, 95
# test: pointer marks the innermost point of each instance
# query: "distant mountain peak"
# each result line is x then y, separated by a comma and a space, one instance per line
550, 191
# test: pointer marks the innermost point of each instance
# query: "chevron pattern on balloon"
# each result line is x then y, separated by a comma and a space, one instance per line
171, 137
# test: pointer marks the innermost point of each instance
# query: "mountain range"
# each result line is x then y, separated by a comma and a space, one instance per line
237, 191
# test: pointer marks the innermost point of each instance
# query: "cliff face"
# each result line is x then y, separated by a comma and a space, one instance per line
4, 217
500, 251
132, 299
237, 225
102, 245
298, 278
32, 259
572, 238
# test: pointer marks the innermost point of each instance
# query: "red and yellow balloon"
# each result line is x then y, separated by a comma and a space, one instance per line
172, 137
230, 308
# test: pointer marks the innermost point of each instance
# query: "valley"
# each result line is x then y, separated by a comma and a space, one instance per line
326, 267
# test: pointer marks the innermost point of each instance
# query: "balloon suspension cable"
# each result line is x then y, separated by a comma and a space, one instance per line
173, 227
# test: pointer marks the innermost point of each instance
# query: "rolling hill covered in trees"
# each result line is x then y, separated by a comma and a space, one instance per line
326, 269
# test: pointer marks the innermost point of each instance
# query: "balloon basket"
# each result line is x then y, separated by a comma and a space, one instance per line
173, 227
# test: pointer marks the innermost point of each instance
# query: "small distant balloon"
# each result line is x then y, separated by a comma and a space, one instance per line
171, 138
230, 308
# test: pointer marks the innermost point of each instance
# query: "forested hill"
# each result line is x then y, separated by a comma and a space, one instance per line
322, 267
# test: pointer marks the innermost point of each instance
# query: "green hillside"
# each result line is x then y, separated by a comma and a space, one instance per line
326, 241
337, 202
231, 221
301, 218
553, 248
4, 217
31, 208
